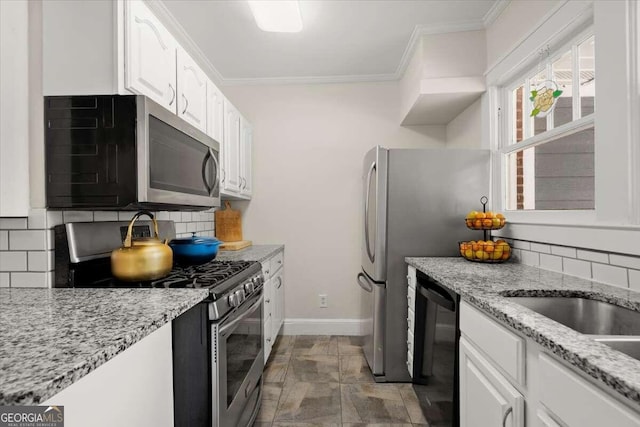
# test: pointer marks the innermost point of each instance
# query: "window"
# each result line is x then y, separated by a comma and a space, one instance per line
548, 153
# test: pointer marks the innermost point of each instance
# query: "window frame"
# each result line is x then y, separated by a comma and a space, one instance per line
504, 123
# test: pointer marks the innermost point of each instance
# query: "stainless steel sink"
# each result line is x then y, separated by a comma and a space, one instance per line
617, 327
587, 316
627, 345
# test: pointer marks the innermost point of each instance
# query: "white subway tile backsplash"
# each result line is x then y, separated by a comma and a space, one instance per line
610, 274
625, 261
564, 251
600, 257
181, 227
191, 227
40, 261
20, 240
551, 262
516, 255
163, 216
54, 218
51, 239
186, 216
13, 261
576, 267
100, 216
5, 280
538, 247
4, 240
176, 216
634, 280
77, 216
29, 280
521, 244
530, 258
201, 226
37, 219
126, 215
13, 223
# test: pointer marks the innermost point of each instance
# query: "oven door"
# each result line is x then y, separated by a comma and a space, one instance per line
177, 163
238, 365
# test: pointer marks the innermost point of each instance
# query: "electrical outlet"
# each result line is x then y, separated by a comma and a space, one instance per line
323, 300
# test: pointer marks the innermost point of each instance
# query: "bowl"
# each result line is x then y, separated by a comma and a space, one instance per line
489, 252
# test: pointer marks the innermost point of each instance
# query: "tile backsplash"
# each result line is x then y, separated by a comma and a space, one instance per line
27, 244
611, 268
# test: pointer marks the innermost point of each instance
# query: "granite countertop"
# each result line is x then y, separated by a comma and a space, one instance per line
50, 338
486, 285
258, 253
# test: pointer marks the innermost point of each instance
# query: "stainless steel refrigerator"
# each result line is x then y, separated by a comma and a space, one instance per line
414, 204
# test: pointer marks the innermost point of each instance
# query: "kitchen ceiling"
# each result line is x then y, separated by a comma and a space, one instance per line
348, 40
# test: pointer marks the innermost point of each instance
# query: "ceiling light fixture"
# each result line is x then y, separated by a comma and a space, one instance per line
279, 16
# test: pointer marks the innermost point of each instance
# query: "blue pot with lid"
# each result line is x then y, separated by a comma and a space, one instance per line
195, 249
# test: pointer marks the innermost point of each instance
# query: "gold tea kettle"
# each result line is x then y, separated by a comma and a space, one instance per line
142, 258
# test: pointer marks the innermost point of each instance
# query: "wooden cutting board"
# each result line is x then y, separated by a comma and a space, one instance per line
228, 224
235, 246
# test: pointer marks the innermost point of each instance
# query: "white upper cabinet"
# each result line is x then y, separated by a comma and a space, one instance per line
231, 150
215, 112
192, 91
246, 141
150, 64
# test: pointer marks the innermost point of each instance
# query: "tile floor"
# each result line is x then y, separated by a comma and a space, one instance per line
325, 381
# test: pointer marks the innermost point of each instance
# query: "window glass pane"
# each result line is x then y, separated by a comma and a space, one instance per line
555, 175
586, 52
517, 131
539, 123
563, 76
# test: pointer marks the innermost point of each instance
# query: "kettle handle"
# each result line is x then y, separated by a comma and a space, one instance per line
127, 240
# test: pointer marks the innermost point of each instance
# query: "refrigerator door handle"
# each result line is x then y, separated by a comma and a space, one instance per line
372, 256
364, 283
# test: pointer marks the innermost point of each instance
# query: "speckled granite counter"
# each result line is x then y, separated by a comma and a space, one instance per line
485, 285
252, 253
50, 338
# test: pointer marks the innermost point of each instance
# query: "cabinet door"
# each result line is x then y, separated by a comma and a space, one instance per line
268, 340
150, 62
246, 141
278, 309
231, 150
215, 112
192, 91
486, 397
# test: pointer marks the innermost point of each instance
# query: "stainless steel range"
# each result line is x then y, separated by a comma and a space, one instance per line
217, 348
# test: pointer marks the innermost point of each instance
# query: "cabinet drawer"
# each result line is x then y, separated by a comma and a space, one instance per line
577, 402
267, 340
545, 420
506, 349
411, 320
411, 277
267, 295
277, 261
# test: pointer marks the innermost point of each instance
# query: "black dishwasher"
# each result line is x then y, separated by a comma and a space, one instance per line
436, 339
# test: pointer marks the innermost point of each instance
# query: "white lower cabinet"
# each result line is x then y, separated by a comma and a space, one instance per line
273, 294
134, 388
486, 397
411, 307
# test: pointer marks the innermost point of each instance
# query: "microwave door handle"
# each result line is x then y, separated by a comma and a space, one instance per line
204, 172
217, 174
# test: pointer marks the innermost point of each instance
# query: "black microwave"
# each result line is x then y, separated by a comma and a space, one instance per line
126, 152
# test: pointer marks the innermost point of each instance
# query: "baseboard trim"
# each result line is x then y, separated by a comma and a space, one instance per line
352, 327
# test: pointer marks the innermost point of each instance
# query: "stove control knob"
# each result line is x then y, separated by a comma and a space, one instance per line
240, 296
233, 300
249, 287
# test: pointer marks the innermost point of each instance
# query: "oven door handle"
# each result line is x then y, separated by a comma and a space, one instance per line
240, 318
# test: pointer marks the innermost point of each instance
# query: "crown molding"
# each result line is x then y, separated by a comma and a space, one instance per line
496, 10
178, 31
424, 30
354, 78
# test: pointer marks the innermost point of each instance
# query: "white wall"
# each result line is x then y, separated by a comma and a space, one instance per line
309, 142
465, 131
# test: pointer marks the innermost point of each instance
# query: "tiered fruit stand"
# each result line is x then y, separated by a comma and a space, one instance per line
487, 250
